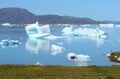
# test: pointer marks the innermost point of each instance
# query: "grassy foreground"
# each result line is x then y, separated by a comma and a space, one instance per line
58, 72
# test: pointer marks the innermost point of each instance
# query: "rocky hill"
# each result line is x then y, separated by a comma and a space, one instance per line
22, 16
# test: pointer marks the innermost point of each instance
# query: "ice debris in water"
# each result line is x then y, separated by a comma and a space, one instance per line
6, 24
9, 43
55, 49
79, 59
84, 32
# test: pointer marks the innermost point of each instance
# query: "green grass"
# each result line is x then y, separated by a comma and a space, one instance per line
58, 72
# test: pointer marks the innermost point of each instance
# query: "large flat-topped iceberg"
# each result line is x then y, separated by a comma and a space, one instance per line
84, 32
37, 31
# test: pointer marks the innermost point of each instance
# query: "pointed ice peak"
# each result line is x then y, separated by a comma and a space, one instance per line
37, 23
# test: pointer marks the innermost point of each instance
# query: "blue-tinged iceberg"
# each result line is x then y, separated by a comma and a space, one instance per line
37, 31
84, 32
9, 43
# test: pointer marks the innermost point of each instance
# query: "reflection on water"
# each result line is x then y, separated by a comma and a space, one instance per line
34, 45
99, 41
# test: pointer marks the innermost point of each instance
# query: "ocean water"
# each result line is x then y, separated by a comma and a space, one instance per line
54, 51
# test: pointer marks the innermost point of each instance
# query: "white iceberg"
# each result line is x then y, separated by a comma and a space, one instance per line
107, 25
6, 24
80, 59
84, 32
39, 64
37, 31
56, 49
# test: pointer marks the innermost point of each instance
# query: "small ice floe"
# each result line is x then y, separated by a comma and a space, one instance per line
71, 56
9, 43
38, 63
107, 25
107, 55
79, 59
60, 43
6, 24
56, 49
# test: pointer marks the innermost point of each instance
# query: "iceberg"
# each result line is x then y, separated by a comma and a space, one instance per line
56, 49
84, 32
6, 24
37, 31
107, 25
79, 59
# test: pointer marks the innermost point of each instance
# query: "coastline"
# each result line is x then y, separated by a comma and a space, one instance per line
58, 72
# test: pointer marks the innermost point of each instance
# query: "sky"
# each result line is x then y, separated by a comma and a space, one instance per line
94, 9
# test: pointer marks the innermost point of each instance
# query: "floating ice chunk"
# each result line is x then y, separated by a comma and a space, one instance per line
38, 63
60, 43
84, 32
107, 55
80, 59
107, 25
9, 43
6, 24
71, 56
68, 30
56, 49
37, 31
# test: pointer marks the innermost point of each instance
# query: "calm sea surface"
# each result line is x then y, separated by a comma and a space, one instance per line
54, 51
